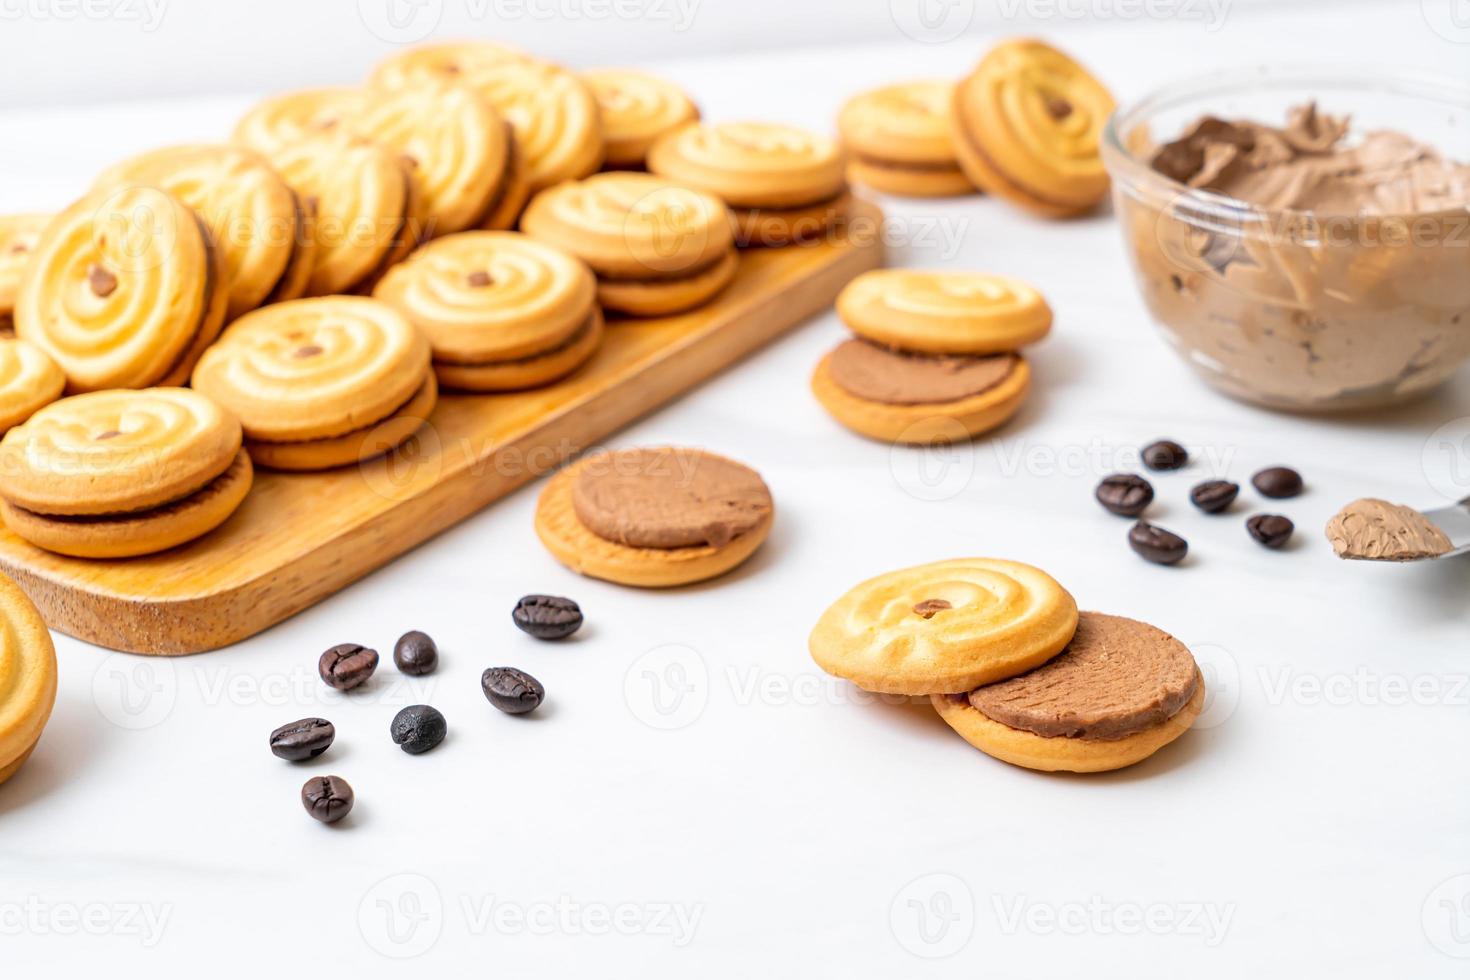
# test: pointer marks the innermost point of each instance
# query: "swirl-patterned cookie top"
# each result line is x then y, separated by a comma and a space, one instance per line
751, 164
249, 208
120, 285
1040, 118
28, 380
632, 224
27, 673
461, 60
281, 120
908, 122
485, 296
636, 109
945, 627
315, 368
454, 140
944, 312
19, 236
113, 452
557, 128
360, 194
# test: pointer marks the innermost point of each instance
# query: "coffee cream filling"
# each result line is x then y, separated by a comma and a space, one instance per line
364, 428
1376, 530
215, 484
576, 337
1169, 704
881, 374
946, 167
655, 277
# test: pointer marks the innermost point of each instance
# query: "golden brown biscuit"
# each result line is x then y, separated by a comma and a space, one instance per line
328, 371
778, 227
113, 474
29, 380
254, 217
657, 247
461, 60
944, 312
900, 140
352, 447
946, 626
636, 109
27, 677
666, 516
1028, 125
283, 120
125, 290
531, 371
19, 236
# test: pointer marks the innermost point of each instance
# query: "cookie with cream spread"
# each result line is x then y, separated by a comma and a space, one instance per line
899, 140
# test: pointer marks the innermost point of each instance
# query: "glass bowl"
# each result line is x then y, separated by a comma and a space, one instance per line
1285, 308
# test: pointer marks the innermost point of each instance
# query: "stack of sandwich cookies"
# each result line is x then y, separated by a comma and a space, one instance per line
115, 474
461, 152
1028, 128
636, 109
502, 311
284, 120
935, 354
657, 247
19, 236
27, 677
1118, 693
654, 518
29, 381
319, 383
899, 140
125, 290
257, 222
784, 185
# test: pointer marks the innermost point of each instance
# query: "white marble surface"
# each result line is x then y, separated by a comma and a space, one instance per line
756, 817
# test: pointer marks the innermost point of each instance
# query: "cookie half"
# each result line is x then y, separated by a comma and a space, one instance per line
27, 677
1118, 693
657, 247
125, 290
1028, 125
946, 626
113, 474
636, 109
19, 236
327, 371
944, 312
922, 399
900, 141
654, 517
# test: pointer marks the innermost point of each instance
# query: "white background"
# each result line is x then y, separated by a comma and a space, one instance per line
1317, 822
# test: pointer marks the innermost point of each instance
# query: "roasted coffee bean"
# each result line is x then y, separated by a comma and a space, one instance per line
1125, 494
327, 798
1213, 496
415, 653
547, 617
1166, 454
1278, 482
304, 739
1271, 530
418, 728
513, 691
347, 665
1157, 545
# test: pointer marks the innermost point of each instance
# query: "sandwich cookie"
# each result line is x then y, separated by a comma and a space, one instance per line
636, 109
654, 517
27, 677
29, 381
319, 383
364, 204
944, 627
900, 141
502, 311
282, 120
256, 220
1028, 123
1118, 693
784, 185
657, 247
114, 474
19, 236
461, 60
934, 356
461, 153
125, 290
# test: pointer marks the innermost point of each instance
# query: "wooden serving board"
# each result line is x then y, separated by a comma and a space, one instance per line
300, 537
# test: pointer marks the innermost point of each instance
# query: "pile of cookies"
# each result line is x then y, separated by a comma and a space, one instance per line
1024, 126
316, 281
1012, 666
